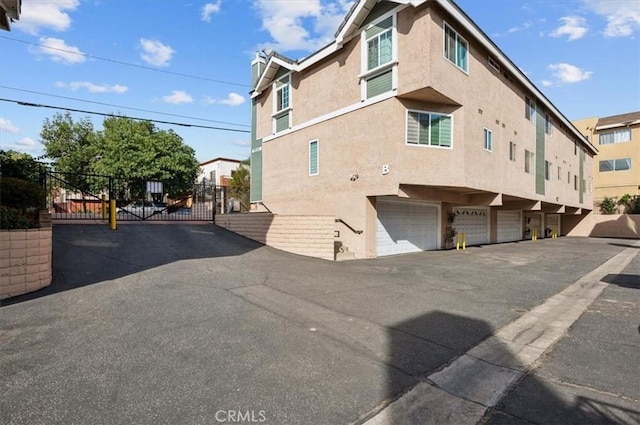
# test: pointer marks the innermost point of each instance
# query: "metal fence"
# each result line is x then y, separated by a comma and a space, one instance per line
86, 197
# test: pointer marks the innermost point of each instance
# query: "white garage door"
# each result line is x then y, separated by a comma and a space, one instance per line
406, 227
509, 226
474, 222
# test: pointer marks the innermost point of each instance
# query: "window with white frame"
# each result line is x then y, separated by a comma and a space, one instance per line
615, 136
313, 158
378, 58
379, 44
429, 129
456, 48
529, 109
512, 151
488, 140
607, 165
528, 161
283, 98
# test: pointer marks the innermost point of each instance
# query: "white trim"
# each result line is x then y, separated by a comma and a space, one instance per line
379, 70
617, 125
317, 142
367, 74
331, 115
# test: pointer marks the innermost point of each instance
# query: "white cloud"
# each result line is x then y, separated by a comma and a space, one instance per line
209, 9
547, 83
300, 25
232, 99
26, 144
567, 73
623, 17
36, 16
93, 88
156, 53
58, 51
523, 27
242, 143
6, 125
573, 26
177, 97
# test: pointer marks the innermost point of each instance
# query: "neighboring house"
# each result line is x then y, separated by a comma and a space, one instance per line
410, 127
617, 169
9, 11
218, 170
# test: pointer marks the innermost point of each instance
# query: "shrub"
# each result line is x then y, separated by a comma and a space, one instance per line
21, 194
608, 206
11, 218
630, 203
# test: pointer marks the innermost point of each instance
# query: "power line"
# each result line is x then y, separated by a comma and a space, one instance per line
125, 63
40, 105
123, 107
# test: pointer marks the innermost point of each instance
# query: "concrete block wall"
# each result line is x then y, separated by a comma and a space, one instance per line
312, 236
25, 261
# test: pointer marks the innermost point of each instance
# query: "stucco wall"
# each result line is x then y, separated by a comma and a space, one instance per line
25, 261
608, 226
305, 235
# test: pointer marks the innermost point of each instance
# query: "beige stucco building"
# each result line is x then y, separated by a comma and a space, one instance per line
409, 128
616, 170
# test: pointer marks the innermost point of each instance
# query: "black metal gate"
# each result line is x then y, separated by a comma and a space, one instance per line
87, 196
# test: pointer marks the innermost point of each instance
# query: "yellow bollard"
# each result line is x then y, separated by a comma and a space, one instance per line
533, 234
112, 214
464, 241
104, 207
457, 241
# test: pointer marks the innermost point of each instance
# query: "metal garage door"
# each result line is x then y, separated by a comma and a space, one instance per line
406, 227
509, 226
474, 222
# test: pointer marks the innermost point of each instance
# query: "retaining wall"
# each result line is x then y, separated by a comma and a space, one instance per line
306, 235
25, 260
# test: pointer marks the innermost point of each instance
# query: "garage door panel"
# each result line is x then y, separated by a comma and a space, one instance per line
509, 225
474, 223
406, 227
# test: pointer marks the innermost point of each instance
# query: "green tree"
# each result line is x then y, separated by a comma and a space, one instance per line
70, 144
137, 152
20, 165
239, 185
131, 151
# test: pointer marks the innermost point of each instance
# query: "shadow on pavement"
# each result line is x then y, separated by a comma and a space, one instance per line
420, 346
624, 280
84, 254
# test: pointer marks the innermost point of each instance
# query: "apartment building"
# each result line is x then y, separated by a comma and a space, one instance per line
617, 167
411, 129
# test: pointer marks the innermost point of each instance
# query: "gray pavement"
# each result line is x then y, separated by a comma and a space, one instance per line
180, 323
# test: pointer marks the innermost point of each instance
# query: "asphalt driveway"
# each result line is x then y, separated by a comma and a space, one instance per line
190, 324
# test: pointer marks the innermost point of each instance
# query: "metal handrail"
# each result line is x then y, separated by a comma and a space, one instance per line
357, 232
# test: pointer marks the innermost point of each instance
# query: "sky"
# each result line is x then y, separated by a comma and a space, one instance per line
188, 62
